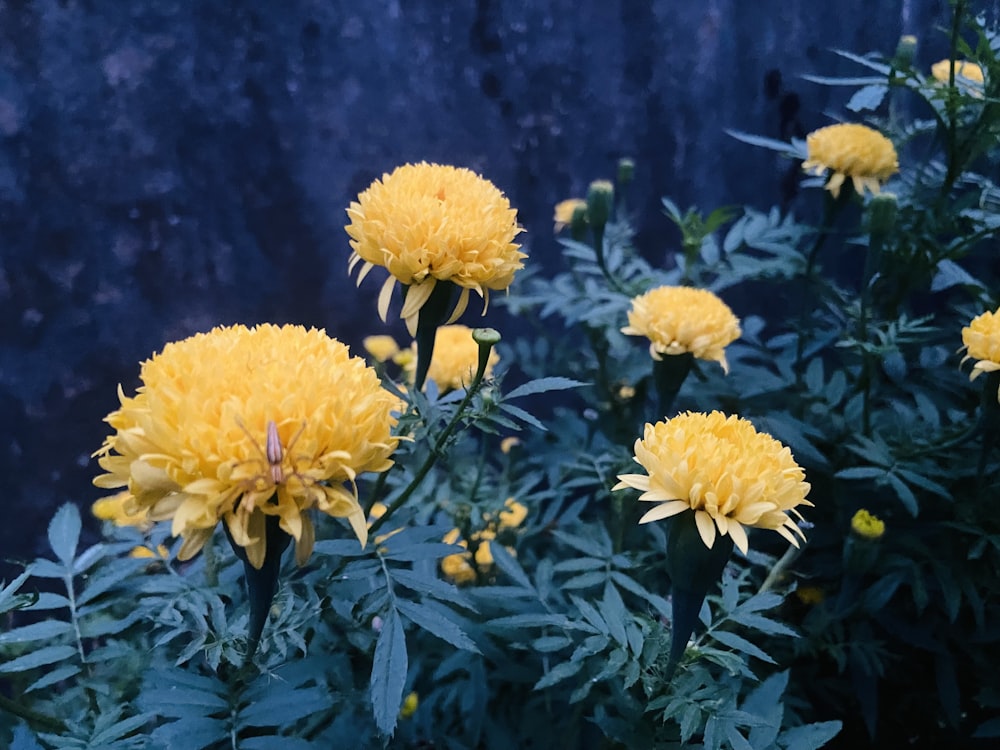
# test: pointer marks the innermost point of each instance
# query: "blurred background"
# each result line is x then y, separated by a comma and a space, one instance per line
168, 166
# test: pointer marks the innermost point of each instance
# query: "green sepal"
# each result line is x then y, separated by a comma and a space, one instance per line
432, 315
262, 583
669, 374
694, 570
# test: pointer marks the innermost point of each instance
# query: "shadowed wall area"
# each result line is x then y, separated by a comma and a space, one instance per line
168, 166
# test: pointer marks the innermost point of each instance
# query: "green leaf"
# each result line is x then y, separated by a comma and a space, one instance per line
40, 658
905, 494
782, 147
389, 673
524, 416
178, 700
193, 733
614, 612
270, 743
64, 533
810, 736
36, 631
270, 707
425, 551
506, 562
738, 643
120, 729
559, 673
860, 472
434, 587
56, 675
437, 624
543, 385
23, 739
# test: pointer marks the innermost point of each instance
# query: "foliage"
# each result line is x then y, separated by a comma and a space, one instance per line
560, 637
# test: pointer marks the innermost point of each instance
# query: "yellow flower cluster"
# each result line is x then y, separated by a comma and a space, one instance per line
981, 339
851, 150
239, 424
732, 476
458, 567
679, 319
430, 222
867, 526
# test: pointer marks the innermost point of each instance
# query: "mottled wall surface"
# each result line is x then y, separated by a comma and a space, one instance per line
166, 166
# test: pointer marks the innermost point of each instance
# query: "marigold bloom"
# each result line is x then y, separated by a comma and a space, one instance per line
457, 567
455, 360
382, 348
430, 222
513, 514
731, 475
112, 508
508, 444
243, 423
867, 526
679, 319
851, 150
564, 211
981, 339
966, 73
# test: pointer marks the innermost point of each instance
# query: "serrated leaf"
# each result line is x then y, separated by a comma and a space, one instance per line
738, 643
424, 551
506, 563
177, 700
56, 675
36, 631
558, 673
64, 533
905, 494
40, 658
281, 707
195, 733
810, 736
389, 673
549, 643
860, 472
433, 587
543, 385
437, 624
524, 416
867, 97
614, 612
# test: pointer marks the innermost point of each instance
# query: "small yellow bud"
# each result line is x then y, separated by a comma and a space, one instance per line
409, 706
867, 526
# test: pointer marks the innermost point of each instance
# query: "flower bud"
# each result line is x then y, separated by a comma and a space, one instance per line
905, 51
626, 170
600, 198
882, 212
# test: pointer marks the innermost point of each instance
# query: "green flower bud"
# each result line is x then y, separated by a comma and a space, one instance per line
600, 199
882, 211
626, 170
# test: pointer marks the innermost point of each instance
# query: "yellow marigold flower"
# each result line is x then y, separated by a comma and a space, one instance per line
508, 444
243, 423
457, 567
851, 150
484, 555
565, 210
430, 222
810, 595
679, 319
731, 475
382, 348
409, 707
112, 508
143, 553
456, 357
981, 339
514, 514
968, 75
867, 526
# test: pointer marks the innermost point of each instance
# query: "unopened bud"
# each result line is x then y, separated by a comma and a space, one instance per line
600, 198
626, 170
905, 51
882, 212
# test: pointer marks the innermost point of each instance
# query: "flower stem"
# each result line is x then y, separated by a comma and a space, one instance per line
439, 443
598, 233
830, 207
31, 716
432, 315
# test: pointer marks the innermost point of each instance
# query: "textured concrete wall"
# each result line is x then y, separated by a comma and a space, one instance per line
168, 165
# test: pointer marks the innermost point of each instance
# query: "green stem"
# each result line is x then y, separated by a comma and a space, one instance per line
790, 556
830, 207
436, 450
598, 233
951, 135
31, 716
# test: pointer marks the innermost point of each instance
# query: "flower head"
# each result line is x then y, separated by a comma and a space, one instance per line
851, 150
456, 357
239, 424
982, 342
968, 75
381, 348
679, 319
427, 223
513, 514
731, 475
867, 526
